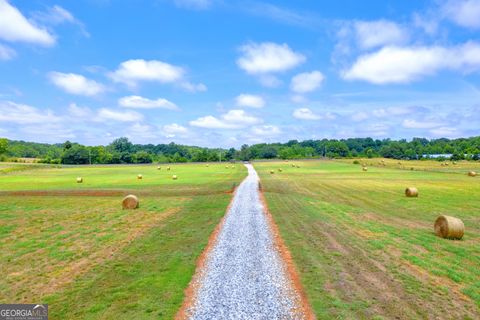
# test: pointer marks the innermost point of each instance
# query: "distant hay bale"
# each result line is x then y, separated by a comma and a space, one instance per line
364, 168
449, 227
411, 192
412, 168
383, 161
159, 168
139, 177
454, 162
174, 177
272, 172
280, 170
472, 174
130, 202
207, 165
293, 165
79, 180
168, 168
226, 167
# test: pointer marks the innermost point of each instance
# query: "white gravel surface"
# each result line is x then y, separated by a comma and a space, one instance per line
244, 276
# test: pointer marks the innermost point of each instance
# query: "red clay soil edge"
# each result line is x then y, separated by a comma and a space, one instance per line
192, 289
304, 308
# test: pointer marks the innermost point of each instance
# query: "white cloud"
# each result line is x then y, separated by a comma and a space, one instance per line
76, 84
233, 119
172, 130
370, 34
415, 124
145, 103
465, 13
306, 82
305, 114
79, 112
121, 116
407, 64
192, 87
299, 99
268, 57
250, 100
445, 132
57, 15
266, 131
11, 112
131, 72
193, 4
6, 53
14, 27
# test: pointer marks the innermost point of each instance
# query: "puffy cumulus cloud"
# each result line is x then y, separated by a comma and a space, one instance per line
249, 100
268, 57
121, 116
306, 82
305, 114
233, 119
465, 13
370, 34
266, 131
193, 4
14, 27
407, 64
141, 132
22, 114
6, 53
131, 72
145, 103
76, 84
172, 130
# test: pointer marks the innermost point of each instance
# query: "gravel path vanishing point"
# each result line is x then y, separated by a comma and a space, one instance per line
244, 276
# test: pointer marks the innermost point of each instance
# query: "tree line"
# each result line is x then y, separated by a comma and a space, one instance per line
121, 150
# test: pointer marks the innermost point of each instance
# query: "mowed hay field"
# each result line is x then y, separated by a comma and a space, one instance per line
365, 251
73, 246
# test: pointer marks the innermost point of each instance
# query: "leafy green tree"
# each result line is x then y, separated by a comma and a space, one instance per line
77, 154
3, 145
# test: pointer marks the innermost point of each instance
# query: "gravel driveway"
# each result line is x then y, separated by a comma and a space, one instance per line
244, 276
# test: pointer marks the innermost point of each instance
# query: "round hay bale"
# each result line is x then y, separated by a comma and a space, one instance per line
383, 161
280, 170
79, 180
130, 202
449, 227
411, 192
472, 174
159, 168
168, 168
454, 162
139, 177
174, 177
226, 167
298, 166
272, 172
364, 168
206, 165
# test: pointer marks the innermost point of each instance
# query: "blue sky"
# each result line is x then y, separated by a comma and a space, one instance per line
225, 73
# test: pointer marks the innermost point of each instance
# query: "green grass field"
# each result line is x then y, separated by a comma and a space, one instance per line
72, 246
365, 251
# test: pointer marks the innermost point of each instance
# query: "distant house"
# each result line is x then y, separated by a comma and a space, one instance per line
438, 155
